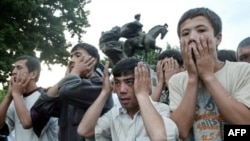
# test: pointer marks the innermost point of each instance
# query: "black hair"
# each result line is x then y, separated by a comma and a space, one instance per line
92, 50
171, 53
32, 63
245, 42
125, 66
226, 54
213, 18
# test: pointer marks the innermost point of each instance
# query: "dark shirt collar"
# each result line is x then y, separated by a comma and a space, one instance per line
27, 94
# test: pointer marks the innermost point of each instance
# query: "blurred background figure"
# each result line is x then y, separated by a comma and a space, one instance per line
243, 50
227, 54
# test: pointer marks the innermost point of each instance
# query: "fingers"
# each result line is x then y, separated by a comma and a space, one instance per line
159, 71
106, 69
83, 66
170, 63
22, 79
19, 83
141, 71
90, 61
142, 81
211, 45
159, 66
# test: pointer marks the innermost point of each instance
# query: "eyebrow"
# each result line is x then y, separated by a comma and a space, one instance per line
198, 26
124, 79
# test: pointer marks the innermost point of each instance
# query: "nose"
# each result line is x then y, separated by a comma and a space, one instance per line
123, 88
14, 71
72, 59
193, 35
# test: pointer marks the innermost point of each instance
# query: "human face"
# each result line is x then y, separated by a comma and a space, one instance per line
192, 30
124, 87
243, 54
20, 68
78, 59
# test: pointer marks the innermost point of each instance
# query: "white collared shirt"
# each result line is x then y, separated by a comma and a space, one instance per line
117, 125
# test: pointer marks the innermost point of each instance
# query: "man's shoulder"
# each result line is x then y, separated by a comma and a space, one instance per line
179, 77
242, 68
160, 106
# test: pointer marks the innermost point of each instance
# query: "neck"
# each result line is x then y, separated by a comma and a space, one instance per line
132, 112
31, 87
219, 65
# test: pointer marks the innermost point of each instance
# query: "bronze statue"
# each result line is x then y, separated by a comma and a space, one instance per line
145, 41
110, 45
132, 29
136, 39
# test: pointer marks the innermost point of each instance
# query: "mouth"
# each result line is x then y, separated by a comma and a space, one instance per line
124, 101
193, 56
192, 45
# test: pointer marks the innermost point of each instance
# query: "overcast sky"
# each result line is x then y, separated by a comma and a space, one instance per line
105, 14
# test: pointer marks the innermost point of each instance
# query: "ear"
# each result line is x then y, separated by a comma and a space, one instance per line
33, 74
218, 39
182, 68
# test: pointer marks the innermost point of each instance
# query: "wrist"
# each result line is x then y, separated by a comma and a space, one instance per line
142, 95
207, 78
9, 97
75, 72
15, 95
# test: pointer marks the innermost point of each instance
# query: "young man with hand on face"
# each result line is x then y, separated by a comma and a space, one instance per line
72, 96
210, 93
169, 63
22, 94
138, 118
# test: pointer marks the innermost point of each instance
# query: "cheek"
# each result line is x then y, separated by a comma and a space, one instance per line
116, 89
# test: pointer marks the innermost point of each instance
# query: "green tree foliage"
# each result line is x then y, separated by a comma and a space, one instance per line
153, 54
2, 94
36, 27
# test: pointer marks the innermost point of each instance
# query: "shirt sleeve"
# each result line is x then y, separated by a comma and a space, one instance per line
243, 85
10, 118
42, 111
175, 93
82, 92
102, 128
171, 129
170, 126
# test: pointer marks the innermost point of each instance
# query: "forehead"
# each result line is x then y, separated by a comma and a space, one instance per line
20, 63
195, 22
124, 77
244, 50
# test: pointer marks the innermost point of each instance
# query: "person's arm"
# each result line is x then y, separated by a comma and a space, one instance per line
44, 108
80, 92
232, 110
18, 88
53, 91
156, 94
155, 130
4, 105
189, 99
76, 87
86, 128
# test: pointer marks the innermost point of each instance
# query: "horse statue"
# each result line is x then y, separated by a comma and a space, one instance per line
144, 41
110, 45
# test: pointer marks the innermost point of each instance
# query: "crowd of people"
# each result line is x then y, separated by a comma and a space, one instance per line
199, 90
